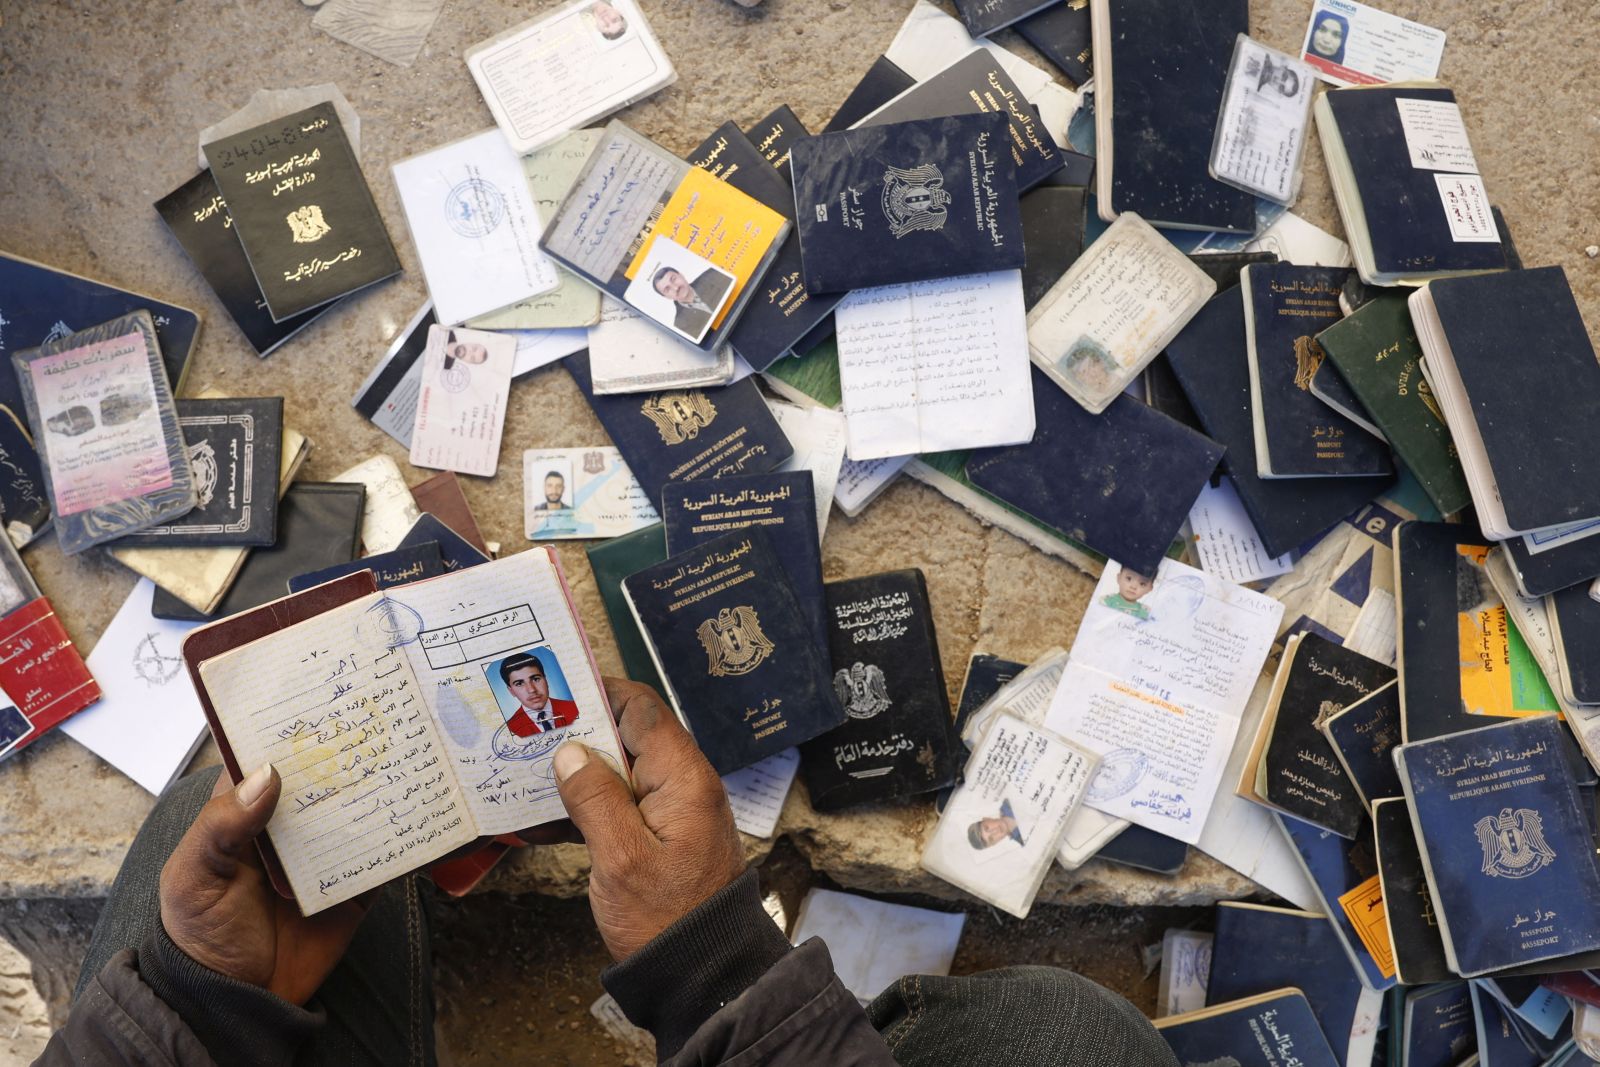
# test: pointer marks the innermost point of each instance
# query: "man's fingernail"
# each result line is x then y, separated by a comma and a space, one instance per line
570, 758
254, 785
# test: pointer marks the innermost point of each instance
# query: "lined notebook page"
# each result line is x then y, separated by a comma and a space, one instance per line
368, 791
460, 630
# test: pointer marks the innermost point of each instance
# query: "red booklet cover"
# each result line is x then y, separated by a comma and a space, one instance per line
44, 678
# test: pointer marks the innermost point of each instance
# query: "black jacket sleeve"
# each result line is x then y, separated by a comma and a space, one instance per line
156, 1005
722, 985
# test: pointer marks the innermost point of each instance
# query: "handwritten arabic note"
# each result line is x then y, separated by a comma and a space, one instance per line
933, 366
1158, 680
367, 790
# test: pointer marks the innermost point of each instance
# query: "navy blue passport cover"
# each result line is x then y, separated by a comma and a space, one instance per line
455, 551
1336, 866
1209, 360
23, 504
1062, 35
1365, 735
1431, 580
882, 82
399, 566
1234, 1038
1555, 568
1506, 843
898, 739
1053, 219
735, 650
1146, 850
1121, 482
1438, 1025
1578, 616
1257, 950
1166, 91
979, 84
1520, 345
1289, 305
686, 435
887, 204
985, 675
783, 503
780, 312
39, 303
1414, 932
1405, 216
775, 134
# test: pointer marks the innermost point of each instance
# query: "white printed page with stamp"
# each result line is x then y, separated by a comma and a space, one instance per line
1157, 683
935, 365
368, 789
476, 226
1099, 326
501, 659
568, 69
999, 832
461, 408
627, 354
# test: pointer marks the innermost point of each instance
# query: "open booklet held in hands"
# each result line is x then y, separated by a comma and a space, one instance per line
404, 723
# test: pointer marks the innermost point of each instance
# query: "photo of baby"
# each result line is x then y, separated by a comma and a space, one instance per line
532, 692
1131, 588
680, 290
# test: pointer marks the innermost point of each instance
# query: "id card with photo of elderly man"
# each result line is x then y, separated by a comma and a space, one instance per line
999, 832
575, 493
461, 407
1261, 130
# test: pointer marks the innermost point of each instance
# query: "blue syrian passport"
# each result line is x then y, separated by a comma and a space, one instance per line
1121, 482
455, 552
1408, 909
686, 435
780, 312
415, 562
898, 739
1437, 1026
1269, 1030
978, 84
1209, 360
1505, 843
906, 202
882, 82
732, 644
783, 503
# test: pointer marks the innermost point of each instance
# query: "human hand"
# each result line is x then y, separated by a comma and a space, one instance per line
655, 859
218, 906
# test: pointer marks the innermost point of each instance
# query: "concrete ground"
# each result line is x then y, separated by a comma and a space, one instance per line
102, 102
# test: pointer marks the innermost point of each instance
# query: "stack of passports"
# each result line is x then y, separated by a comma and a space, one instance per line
1296, 434
1376, 353
1209, 361
898, 739
906, 202
611, 561
728, 636
1408, 907
1506, 845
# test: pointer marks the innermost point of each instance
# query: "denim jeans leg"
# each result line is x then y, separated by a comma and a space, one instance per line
1016, 1016
379, 1000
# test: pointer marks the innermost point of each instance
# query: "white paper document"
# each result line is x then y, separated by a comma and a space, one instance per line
757, 792
627, 354
148, 724
1226, 540
860, 483
476, 227
1185, 970
571, 493
1158, 680
1294, 240
932, 366
389, 511
874, 943
540, 348
818, 438
461, 407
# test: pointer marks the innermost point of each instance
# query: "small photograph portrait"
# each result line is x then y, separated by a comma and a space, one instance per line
532, 692
551, 487
1132, 587
988, 832
14, 726
679, 289
1277, 76
1089, 364
1329, 34
457, 350
607, 21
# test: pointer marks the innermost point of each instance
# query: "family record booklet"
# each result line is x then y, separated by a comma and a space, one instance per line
302, 210
405, 723
677, 244
906, 202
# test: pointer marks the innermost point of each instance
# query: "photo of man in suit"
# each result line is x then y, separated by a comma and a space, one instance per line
537, 712
694, 303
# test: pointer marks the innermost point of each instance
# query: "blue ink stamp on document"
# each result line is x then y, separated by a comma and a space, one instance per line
392, 622
1120, 771
474, 208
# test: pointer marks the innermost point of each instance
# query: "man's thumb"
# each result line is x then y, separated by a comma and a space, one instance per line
597, 800
227, 826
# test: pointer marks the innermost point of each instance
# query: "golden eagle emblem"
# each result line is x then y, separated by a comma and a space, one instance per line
734, 641
679, 417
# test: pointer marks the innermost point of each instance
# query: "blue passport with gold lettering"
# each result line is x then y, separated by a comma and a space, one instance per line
906, 202
1267, 1030
687, 435
735, 649
783, 503
415, 562
1505, 844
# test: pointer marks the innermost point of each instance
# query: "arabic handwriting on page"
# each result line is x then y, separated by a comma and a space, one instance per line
367, 791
